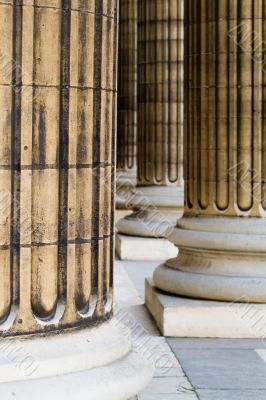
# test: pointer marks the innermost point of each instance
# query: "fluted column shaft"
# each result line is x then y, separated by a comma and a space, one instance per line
127, 101
127, 86
223, 233
160, 93
225, 140
58, 65
57, 129
159, 193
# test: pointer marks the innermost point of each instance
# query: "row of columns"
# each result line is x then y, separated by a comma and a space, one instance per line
58, 93
222, 234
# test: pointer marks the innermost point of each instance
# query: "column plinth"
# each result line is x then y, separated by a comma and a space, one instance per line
222, 236
57, 165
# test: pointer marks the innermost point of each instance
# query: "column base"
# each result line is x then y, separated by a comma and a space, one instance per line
134, 248
125, 183
119, 214
220, 259
157, 210
178, 316
95, 364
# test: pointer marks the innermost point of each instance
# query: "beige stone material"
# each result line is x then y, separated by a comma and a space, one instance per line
156, 212
56, 159
135, 248
178, 316
222, 236
58, 65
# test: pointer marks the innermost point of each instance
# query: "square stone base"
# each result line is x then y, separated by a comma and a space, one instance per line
133, 248
184, 317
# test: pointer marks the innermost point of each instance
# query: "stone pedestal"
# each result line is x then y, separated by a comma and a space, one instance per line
57, 134
222, 236
188, 317
133, 248
158, 198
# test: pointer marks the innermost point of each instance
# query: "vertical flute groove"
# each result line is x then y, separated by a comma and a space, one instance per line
15, 154
64, 146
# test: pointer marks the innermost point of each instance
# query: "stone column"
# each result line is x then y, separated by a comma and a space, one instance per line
127, 103
222, 236
158, 199
57, 135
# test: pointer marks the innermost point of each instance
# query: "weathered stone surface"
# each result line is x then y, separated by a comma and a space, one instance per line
160, 93
223, 233
127, 102
160, 113
58, 96
57, 163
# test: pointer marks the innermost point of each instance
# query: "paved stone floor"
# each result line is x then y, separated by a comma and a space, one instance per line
187, 369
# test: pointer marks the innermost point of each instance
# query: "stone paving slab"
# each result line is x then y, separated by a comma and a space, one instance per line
169, 381
168, 388
167, 397
219, 369
223, 369
261, 353
232, 394
193, 343
138, 271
